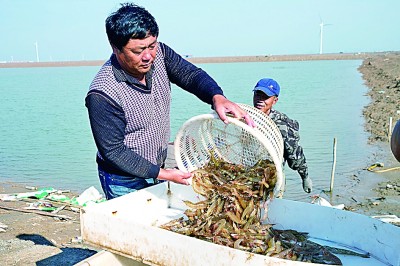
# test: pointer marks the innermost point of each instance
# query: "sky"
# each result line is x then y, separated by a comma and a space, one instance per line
73, 30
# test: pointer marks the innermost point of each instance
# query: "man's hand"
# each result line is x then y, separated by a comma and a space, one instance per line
175, 175
307, 185
223, 106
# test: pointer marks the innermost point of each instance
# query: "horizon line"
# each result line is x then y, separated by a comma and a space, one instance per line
210, 59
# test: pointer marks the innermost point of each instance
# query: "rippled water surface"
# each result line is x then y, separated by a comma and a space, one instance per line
46, 139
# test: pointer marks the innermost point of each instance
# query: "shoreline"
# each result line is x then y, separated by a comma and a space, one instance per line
210, 60
378, 191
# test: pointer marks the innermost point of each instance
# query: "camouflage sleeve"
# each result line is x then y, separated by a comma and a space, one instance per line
293, 152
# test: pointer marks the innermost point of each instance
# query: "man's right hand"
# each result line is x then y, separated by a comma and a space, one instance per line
307, 184
224, 106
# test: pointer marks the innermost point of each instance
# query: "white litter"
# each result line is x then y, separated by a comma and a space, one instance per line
317, 199
89, 195
389, 218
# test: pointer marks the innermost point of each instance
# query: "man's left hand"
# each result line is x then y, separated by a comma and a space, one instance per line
223, 106
307, 184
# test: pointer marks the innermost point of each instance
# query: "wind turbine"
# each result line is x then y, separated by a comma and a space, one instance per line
37, 51
321, 34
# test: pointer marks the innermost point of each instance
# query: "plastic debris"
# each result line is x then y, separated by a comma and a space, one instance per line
377, 164
389, 218
8, 197
317, 199
89, 195
63, 191
39, 194
76, 240
57, 197
41, 206
3, 227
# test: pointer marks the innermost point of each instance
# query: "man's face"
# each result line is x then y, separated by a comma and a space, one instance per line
137, 56
264, 102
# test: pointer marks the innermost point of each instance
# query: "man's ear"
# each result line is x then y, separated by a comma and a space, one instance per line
114, 49
276, 99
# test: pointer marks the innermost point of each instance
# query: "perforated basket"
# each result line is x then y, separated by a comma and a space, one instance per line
235, 142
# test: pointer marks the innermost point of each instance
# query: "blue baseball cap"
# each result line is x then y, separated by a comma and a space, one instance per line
268, 86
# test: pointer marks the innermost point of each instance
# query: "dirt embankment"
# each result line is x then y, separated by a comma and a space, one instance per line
382, 75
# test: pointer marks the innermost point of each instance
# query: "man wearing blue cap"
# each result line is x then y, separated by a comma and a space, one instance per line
266, 94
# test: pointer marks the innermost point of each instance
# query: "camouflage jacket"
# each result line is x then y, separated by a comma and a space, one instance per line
293, 153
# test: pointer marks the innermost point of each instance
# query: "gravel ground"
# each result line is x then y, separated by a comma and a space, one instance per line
34, 239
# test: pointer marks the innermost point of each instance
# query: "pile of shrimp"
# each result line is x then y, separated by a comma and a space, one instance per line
230, 213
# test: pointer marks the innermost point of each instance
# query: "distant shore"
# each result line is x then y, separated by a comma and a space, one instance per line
204, 60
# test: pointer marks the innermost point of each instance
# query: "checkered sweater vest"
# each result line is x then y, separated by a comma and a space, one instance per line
147, 114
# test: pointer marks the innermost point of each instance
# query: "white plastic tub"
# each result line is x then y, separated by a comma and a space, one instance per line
129, 226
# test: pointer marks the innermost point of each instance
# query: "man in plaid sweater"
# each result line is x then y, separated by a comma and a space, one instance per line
129, 103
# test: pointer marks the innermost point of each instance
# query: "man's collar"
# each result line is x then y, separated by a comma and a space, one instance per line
122, 76
272, 112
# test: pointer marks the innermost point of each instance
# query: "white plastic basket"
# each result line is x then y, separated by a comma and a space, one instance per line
235, 142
